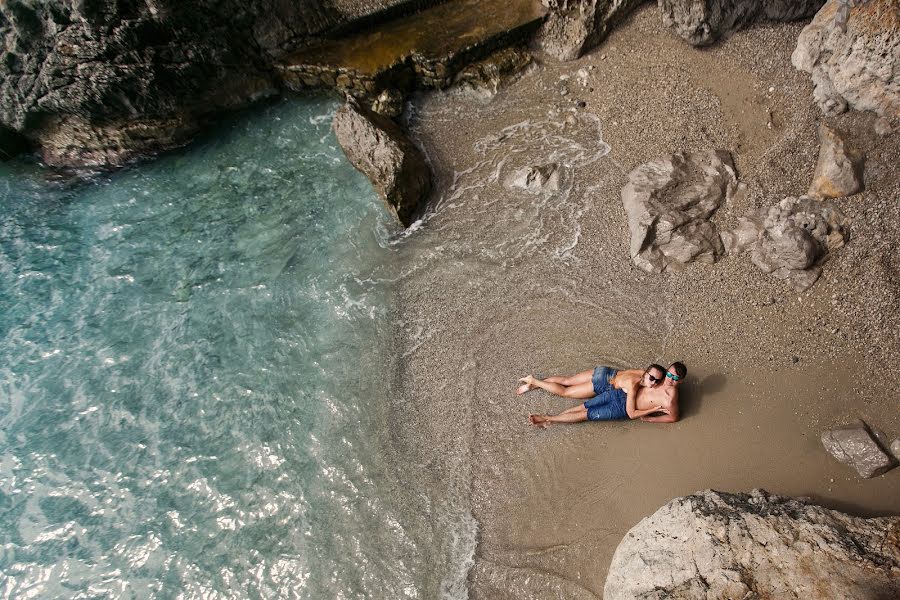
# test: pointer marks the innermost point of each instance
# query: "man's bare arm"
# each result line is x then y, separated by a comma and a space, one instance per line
631, 407
670, 417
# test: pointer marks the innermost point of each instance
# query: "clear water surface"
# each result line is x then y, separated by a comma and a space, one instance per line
194, 370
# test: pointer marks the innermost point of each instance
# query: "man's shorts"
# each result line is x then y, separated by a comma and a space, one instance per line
609, 403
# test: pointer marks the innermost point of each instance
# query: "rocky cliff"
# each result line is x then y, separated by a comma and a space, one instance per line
99, 82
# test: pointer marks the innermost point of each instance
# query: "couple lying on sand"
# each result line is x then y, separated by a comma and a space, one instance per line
630, 394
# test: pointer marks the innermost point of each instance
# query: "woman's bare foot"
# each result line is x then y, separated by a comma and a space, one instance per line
540, 421
527, 385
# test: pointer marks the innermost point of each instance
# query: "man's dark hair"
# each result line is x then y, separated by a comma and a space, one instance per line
656, 366
680, 369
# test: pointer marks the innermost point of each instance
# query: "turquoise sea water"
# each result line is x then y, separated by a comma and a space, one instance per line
194, 369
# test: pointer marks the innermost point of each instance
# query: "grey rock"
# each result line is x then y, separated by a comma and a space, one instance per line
534, 179
752, 546
883, 126
379, 148
895, 448
500, 68
839, 170
575, 26
857, 446
669, 203
702, 22
852, 50
790, 240
389, 103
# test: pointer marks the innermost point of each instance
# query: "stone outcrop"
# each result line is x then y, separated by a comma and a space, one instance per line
792, 239
861, 448
853, 55
501, 68
839, 170
377, 147
669, 203
102, 82
702, 22
575, 26
757, 545
895, 448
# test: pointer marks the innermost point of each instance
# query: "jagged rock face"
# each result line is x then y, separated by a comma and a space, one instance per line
377, 147
790, 240
861, 448
839, 170
718, 545
534, 179
669, 203
702, 22
575, 26
98, 82
853, 55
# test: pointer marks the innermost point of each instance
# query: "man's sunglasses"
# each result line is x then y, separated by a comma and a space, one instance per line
672, 377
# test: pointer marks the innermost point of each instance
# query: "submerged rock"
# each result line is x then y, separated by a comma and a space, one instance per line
575, 26
853, 54
718, 545
669, 203
379, 148
858, 446
839, 170
534, 179
702, 22
790, 240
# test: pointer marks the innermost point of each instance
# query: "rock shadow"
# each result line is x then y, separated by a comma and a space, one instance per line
693, 392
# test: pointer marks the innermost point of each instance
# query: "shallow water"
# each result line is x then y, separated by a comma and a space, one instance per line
196, 367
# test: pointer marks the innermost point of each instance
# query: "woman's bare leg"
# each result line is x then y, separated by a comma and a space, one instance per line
564, 380
579, 390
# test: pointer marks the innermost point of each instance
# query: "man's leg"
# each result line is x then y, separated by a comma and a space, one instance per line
579, 390
576, 414
564, 380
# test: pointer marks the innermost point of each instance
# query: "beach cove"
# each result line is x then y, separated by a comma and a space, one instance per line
230, 371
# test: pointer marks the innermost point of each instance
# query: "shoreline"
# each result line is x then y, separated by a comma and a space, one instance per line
769, 369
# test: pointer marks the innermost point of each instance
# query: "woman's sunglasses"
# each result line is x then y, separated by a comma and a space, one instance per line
655, 379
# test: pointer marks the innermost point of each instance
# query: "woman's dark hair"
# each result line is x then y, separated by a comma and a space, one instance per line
655, 366
680, 369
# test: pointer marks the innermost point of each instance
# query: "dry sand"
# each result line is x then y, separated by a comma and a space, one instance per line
498, 285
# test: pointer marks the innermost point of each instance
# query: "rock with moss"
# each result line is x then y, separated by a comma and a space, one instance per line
719, 545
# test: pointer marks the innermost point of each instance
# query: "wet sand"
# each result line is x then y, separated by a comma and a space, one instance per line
497, 285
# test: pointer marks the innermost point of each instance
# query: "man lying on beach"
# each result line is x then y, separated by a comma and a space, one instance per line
630, 394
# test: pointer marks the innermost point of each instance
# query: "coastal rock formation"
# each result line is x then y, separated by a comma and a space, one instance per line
102, 82
757, 545
575, 26
859, 447
790, 240
377, 147
702, 22
853, 55
669, 203
534, 179
839, 170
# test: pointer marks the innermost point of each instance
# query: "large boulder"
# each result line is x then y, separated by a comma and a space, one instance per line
575, 26
702, 22
757, 545
853, 54
792, 239
861, 448
379, 148
669, 203
839, 170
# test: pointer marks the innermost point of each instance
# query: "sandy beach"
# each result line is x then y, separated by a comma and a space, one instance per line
497, 285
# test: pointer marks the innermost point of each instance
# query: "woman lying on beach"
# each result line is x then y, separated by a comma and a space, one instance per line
629, 394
